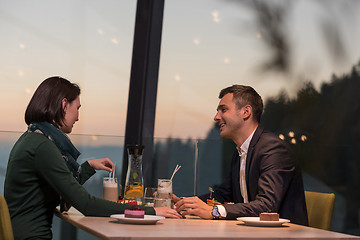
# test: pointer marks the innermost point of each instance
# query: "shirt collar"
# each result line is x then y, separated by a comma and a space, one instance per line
245, 146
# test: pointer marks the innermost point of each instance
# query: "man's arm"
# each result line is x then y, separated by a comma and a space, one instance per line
197, 205
270, 174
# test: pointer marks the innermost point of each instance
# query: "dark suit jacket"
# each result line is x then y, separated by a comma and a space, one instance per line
274, 181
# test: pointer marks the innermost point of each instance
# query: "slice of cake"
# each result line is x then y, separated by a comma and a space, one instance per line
136, 213
269, 216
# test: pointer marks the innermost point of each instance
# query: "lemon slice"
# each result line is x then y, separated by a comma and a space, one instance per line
134, 193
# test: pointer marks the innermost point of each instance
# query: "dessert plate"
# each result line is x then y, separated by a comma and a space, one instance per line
148, 219
255, 221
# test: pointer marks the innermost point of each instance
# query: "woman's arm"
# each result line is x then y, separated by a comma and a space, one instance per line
101, 164
88, 168
52, 168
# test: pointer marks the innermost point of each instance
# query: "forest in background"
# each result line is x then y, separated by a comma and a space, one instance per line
330, 121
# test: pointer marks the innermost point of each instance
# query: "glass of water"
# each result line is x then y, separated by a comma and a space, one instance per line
164, 194
165, 189
149, 196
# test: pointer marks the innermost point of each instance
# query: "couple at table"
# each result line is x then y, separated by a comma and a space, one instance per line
43, 172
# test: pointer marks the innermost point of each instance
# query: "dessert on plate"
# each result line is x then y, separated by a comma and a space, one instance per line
134, 213
267, 216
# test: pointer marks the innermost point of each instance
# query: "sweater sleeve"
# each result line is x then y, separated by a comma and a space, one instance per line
52, 168
86, 172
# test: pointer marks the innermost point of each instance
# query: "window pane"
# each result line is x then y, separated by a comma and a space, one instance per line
208, 45
87, 42
303, 59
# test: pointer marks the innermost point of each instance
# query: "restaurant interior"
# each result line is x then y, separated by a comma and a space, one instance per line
151, 71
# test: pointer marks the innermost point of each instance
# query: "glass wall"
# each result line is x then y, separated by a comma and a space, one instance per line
301, 56
274, 45
87, 42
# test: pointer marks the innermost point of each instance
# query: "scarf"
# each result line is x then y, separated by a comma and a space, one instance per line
67, 149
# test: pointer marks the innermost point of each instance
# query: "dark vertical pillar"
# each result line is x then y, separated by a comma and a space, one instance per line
143, 82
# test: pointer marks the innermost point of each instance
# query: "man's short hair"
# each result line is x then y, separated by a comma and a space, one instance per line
245, 95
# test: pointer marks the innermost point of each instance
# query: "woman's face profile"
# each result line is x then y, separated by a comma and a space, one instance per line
71, 114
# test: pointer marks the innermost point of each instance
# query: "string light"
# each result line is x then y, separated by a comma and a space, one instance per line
281, 136
215, 15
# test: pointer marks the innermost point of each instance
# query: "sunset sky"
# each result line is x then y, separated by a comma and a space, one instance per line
207, 45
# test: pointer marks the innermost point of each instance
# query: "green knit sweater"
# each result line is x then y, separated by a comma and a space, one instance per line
36, 177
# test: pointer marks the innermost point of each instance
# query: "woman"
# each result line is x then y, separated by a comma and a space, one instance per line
42, 170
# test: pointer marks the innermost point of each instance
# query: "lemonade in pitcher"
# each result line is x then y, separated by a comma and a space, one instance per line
134, 187
134, 191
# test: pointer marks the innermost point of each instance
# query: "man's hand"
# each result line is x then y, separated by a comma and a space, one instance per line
101, 164
193, 205
167, 212
175, 198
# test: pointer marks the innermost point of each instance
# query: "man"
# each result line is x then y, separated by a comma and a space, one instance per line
264, 176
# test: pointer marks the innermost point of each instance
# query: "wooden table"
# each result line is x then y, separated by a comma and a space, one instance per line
193, 228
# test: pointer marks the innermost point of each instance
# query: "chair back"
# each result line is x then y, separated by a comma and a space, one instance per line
6, 231
320, 208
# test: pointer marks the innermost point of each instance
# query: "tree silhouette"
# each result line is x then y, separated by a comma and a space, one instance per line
326, 127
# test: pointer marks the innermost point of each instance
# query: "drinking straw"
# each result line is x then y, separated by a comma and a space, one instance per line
111, 171
176, 169
113, 176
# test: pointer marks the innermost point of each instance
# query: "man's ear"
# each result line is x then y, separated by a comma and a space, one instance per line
64, 104
247, 111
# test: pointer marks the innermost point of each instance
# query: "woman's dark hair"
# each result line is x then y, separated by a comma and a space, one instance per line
46, 103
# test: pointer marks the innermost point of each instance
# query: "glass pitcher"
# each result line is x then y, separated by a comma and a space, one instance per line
134, 185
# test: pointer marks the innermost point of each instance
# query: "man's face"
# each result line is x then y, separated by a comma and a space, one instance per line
229, 117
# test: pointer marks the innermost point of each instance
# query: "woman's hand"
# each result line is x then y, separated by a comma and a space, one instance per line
167, 212
101, 164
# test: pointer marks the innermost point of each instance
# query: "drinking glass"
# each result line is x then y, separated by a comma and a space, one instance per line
150, 192
110, 189
165, 188
164, 194
163, 202
149, 196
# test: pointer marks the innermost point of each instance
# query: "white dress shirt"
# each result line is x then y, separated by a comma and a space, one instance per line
243, 149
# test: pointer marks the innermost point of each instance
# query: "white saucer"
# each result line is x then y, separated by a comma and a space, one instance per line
148, 219
255, 221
